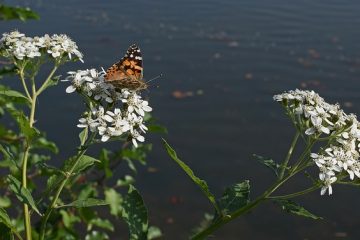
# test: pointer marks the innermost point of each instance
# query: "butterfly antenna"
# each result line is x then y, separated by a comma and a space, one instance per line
158, 76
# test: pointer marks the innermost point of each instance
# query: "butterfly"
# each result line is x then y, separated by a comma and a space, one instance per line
128, 72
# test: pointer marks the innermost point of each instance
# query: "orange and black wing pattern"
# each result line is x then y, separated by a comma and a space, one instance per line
128, 72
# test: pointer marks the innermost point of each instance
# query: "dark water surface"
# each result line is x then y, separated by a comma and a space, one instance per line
238, 54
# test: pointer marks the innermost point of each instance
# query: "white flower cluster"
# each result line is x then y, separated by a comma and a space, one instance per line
107, 119
17, 45
319, 118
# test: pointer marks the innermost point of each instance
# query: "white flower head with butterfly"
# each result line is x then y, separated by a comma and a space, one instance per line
118, 107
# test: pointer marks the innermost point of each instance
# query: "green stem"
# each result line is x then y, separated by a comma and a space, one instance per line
22, 77
288, 156
33, 99
27, 221
241, 211
298, 165
265, 196
296, 194
24, 185
48, 79
62, 185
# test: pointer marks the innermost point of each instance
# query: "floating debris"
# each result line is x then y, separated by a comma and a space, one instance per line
178, 94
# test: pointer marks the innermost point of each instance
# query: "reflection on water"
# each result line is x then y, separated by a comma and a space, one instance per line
222, 61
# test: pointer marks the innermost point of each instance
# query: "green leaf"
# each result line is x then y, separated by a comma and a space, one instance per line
138, 153
81, 203
7, 71
8, 158
53, 82
101, 223
268, 162
6, 233
22, 194
11, 13
104, 163
201, 183
135, 214
153, 233
292, 207
115, 200
69, 219
53, 182
24, 125
205, 222
157, 129
6, 226
125, 182
4, 218
43, 143
96, 235
83, 163
13, 94
83, 135
5, 202
235, 197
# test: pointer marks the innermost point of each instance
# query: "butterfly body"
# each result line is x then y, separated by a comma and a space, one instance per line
128, 72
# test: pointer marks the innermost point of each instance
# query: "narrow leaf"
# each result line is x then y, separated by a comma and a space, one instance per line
4, 218
135, 214
81, 203
14, 95
8, 156
6, 233
268, 162
201, 183
292, 207
21, 193
6, 226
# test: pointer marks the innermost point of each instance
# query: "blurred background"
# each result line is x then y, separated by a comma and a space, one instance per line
222, 61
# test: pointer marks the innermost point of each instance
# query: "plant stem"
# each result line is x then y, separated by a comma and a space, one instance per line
33, 100
265, 196
237, 213
24, 185
296, 194
62, 185
27, 221
22, 77
288, 156
46, 82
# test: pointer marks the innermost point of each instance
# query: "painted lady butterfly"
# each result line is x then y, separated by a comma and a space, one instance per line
128, 72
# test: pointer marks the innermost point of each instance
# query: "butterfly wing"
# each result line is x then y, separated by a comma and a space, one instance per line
128, 72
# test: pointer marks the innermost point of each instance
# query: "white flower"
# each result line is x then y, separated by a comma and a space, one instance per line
314, 116
137, 137
62, 45
135, 103
19, 46
125, 109
327, 185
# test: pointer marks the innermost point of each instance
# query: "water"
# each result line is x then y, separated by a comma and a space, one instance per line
238, 54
